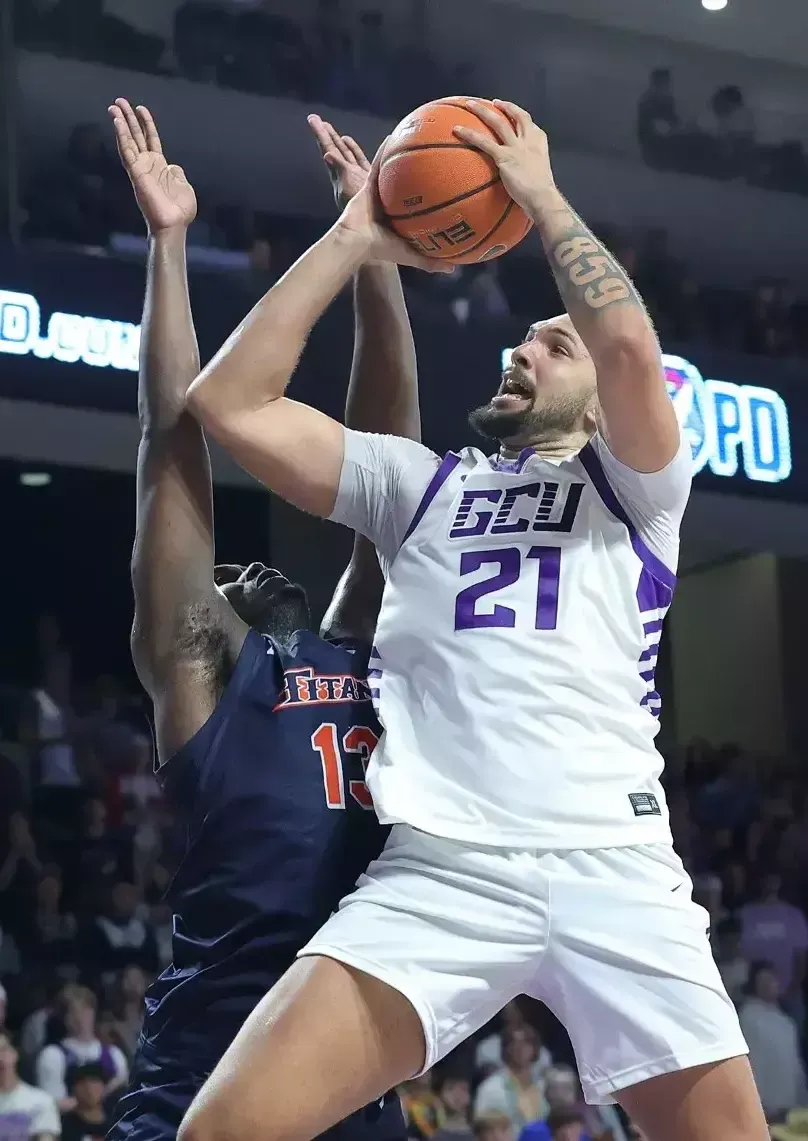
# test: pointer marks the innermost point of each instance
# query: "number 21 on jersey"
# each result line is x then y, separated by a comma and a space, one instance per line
510, 567
357, 744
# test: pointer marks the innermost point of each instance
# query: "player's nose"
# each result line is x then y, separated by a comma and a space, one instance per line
519, 357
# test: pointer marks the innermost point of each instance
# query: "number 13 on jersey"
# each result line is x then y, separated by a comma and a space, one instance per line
546, 561
357, 744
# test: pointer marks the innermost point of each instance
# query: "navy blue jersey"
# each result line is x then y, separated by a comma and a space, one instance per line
278, 825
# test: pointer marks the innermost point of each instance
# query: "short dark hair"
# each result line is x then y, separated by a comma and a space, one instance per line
661, 75
559, 1118
90, 1071
444, 1079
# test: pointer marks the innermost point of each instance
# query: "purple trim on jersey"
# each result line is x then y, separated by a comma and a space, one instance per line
653, 625
500, 464
652, 595
448, 464
600, 481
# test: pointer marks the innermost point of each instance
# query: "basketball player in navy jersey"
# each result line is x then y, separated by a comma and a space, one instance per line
263, 728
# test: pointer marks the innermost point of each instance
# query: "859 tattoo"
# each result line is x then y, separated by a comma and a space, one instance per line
591, 271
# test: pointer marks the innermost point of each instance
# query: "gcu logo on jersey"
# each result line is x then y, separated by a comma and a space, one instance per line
304, 687
537, 506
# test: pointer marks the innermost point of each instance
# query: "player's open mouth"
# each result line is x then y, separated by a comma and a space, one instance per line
514, 393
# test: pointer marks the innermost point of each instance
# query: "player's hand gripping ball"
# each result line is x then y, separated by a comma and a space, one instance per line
444, 194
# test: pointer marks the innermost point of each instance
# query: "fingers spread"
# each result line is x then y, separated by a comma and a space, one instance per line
515, 113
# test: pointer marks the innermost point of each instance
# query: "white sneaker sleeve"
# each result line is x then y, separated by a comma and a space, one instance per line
654, 501
382, 482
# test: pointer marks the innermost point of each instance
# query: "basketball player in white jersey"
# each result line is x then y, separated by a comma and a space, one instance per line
514, 674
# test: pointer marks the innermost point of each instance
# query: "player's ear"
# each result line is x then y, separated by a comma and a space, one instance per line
593, 421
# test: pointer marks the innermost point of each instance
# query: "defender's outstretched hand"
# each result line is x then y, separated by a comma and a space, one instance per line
164, 195
348, 165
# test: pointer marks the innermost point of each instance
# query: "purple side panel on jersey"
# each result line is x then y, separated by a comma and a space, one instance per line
448, 464
594, 469
500, 464
652, 594
656, 583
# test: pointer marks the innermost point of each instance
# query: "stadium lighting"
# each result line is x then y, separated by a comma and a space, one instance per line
714, 5
35, 478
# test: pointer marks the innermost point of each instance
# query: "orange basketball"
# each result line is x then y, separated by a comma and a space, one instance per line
445, 197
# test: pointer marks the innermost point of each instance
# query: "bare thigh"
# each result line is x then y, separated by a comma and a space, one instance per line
715, 1102
326, 1041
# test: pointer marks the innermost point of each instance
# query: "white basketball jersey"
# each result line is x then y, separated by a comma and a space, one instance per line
513, 668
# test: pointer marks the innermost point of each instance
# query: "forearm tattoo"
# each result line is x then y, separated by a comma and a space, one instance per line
586, 272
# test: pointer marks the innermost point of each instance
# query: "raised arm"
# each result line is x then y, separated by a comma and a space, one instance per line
172, 560
637, 416
239, 398
383, 389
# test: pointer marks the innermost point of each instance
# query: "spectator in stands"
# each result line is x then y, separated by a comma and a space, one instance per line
99, 858
421, 1107
374, 66
26, 1113
128, 1007
47, 728
561, 1125
79, 1047
514, 1090
493, 1126
732, 964
75, 199
106, 730
52, 934
775, 931
119, 938
488, 1056
770, 323
562, 1092
46, 1002
486, 296
88, 1121
454, 1095
774, 1046
19, 872
657, 117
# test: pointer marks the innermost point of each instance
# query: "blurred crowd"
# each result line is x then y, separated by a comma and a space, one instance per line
340, 58
83, 198
87, 851
721, 143
347, 58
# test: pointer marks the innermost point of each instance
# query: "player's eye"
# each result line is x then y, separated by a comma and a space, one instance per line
559, 348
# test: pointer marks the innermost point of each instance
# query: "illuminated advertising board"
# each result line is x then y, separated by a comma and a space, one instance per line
730, 427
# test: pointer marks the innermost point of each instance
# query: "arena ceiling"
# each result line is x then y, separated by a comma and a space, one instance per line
762, 29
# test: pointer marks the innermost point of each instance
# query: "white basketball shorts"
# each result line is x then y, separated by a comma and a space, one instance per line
609, 939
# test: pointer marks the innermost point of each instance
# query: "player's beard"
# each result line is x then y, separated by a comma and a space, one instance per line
553, 420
